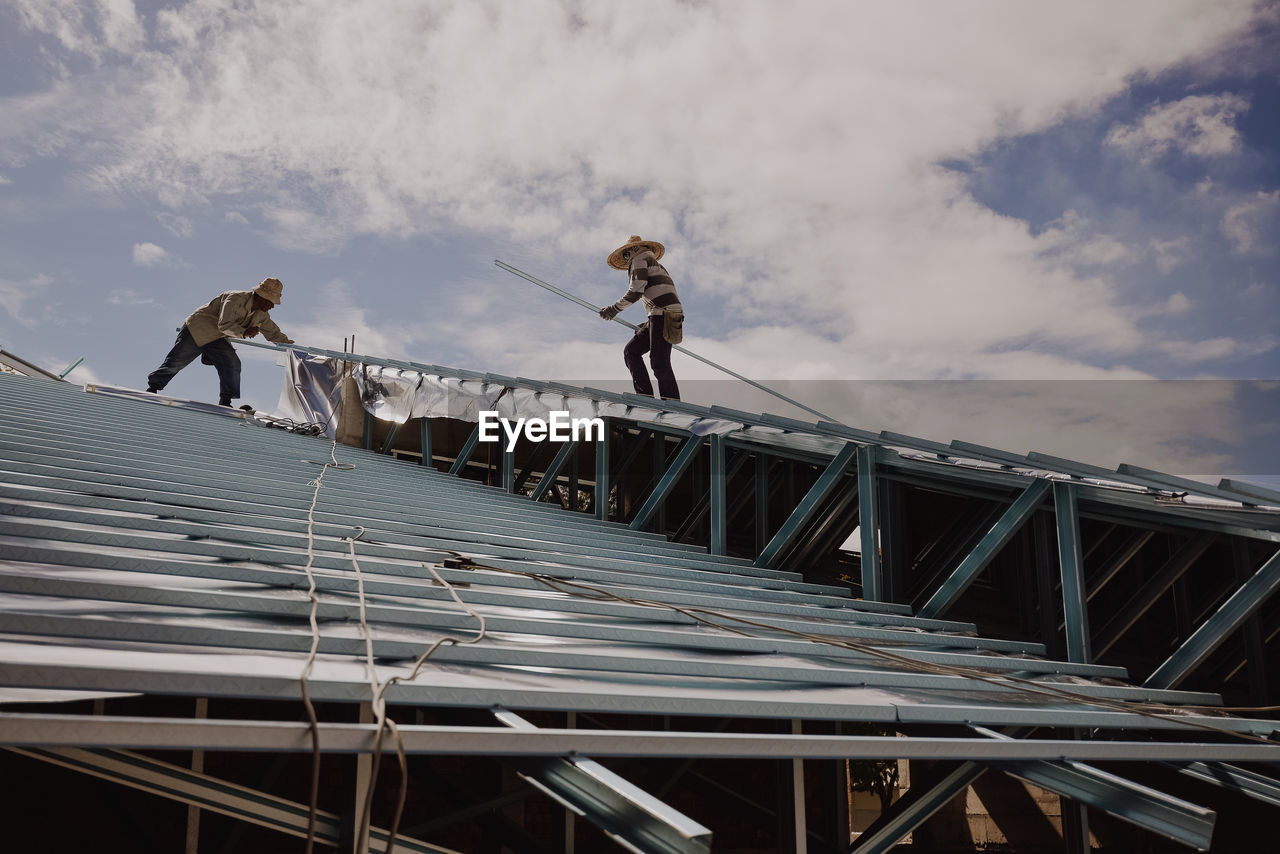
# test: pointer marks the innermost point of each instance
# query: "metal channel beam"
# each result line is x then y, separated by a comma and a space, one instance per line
1152, 589
627, 814
684, 457
211, 793
468, 448
549, 477
914, 809
148, 733
1230, 616
718, 494
1071, 565
1239, 780
1147, 808
873, 586
808, 505
600, 493
994, 540
824, 672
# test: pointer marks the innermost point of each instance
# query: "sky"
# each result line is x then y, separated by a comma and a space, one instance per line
871, 207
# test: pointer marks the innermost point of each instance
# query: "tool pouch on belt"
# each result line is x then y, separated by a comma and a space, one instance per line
673, 325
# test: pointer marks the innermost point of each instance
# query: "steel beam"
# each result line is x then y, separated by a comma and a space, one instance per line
1152, 589
424, 434
1071, 564
26, 730
211, 793
684, 457
718, 493
1239, 780
991, 543
1230, 616
600, 495
869, 524
549, 477
468, 448
808, 505
627, 814
914, 809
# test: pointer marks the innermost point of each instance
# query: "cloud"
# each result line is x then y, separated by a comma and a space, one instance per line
126, 296
5, 179
1251, 225
336, 313
1170, 254
92, 28
151, 255
178, 226
1200, 125
787, 154
14, 296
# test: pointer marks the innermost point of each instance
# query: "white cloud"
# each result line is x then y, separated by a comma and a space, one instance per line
1203, 125
151, 255
235, 217
1170, 254
127, 296
786, 153
88, 27
14, 296
1253, 224
5, 179
178, 226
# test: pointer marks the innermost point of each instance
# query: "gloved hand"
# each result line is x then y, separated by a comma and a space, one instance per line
251, 332
609, 312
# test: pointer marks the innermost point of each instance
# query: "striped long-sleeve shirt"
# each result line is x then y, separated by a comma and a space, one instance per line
650, 282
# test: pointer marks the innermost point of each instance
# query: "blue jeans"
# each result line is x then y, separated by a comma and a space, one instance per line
218, 353
648, 339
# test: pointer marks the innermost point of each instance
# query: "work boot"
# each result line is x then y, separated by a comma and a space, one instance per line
224, 401
152, 389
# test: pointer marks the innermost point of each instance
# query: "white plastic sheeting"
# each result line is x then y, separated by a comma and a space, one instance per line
397, 395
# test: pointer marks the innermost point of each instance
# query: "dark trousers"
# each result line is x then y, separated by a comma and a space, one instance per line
648, 339
218, 353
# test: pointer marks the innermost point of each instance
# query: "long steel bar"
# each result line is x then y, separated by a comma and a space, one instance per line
600, 493
464, 455
808, 505
1242, 604
687, 352
992, 542
627, 814
549, 477
827, 671
684, 457
1071, 565
873, 586
211, 793
914, 809
32, 729
1239, 780
1152, 589
718, 495
1147, 808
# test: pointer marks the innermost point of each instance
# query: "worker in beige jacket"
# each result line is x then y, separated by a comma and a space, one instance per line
234, 314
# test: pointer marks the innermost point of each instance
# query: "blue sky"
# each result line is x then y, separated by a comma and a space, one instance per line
848, 192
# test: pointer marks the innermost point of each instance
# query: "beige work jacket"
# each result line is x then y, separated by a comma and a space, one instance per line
230, 315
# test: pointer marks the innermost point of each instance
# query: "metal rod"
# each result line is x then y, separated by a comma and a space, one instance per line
632, 326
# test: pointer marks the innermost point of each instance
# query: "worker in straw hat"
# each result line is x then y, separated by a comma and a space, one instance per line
234, 314
651, 283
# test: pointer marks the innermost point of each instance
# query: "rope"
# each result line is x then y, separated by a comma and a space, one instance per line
312, 719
